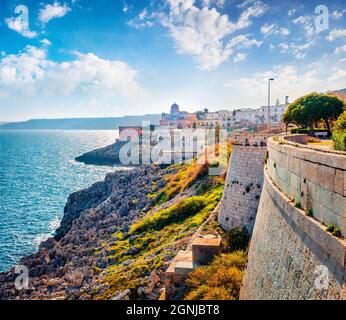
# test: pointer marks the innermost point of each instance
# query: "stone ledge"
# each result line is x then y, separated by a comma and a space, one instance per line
302, 139
330, 158
334, 246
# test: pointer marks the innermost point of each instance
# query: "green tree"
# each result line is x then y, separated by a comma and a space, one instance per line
339, 133
313, 108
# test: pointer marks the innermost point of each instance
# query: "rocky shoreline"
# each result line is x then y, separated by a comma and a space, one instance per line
107, 156
63, 267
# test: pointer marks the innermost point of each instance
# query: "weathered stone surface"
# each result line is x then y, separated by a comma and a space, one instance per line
286, 251
291, 253
311, 177
62, 268
244, 181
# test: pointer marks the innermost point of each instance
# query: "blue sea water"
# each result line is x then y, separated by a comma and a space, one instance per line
37, 173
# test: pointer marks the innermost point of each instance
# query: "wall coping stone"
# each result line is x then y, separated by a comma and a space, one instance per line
329, 158
289, 139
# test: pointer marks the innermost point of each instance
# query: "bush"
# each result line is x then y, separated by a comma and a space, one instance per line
237, 239
221, 280
339, 140
175, 213
297, 204
339, 133
310, 213
306, 131
334, 230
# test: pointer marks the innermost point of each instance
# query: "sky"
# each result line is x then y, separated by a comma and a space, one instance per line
87, 58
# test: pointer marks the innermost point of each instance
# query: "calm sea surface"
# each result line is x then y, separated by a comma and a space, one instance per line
37, 173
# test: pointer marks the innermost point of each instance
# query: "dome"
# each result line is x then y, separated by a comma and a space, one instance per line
174, 109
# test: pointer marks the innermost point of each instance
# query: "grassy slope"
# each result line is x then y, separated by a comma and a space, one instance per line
185, 202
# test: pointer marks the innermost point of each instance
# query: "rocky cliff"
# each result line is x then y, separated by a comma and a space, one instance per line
108, 155
63, 265
115, 235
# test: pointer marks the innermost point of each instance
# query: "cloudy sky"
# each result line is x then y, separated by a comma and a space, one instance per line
86, 58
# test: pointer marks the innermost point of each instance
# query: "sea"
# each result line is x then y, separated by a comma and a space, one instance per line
37, 174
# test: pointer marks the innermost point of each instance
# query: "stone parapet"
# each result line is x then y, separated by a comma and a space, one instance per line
314, 179
290, 255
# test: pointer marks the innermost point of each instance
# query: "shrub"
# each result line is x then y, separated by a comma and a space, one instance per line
237, 239
310, 213
339, 140
297, 204
339, 133
334, 230
306, 131
176, 213
220, 280
337, 232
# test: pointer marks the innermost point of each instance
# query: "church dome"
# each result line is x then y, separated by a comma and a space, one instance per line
174, 109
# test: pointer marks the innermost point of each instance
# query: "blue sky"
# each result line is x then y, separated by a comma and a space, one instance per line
86, 58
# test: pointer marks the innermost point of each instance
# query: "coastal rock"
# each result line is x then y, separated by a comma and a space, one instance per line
153, 280
103, 156
63, 267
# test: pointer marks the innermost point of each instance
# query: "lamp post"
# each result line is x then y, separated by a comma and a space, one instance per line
269, 80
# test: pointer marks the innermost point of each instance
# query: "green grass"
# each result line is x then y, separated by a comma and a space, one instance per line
155, 238
174, 214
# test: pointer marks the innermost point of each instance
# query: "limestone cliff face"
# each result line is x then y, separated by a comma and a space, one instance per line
63, 267
291, 256
244, 181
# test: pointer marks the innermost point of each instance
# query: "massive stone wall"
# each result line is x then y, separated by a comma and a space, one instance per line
244, 181
291, 256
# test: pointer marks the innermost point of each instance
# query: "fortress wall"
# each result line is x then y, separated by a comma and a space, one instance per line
244, 181
290, 255
314, 178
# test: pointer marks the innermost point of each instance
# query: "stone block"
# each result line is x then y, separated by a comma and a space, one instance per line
204, 250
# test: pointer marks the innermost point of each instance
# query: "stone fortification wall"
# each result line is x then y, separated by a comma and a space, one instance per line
244, 181
291, 256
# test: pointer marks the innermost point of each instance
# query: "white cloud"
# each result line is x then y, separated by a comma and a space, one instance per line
126, 7
46, 42
203, 32
337, 74
143, 20
336, 15
30, 72
291, 81
218, 3
18, 26
242, 41
52, 11
291, 12
274, 29
245, 3
336, 33
341, 49
298, 50
307, 23
240, 57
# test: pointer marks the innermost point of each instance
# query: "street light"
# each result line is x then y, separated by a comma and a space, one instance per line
269, 80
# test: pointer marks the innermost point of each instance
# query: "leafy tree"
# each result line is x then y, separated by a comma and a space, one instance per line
341, 122
313, 108
339, 133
